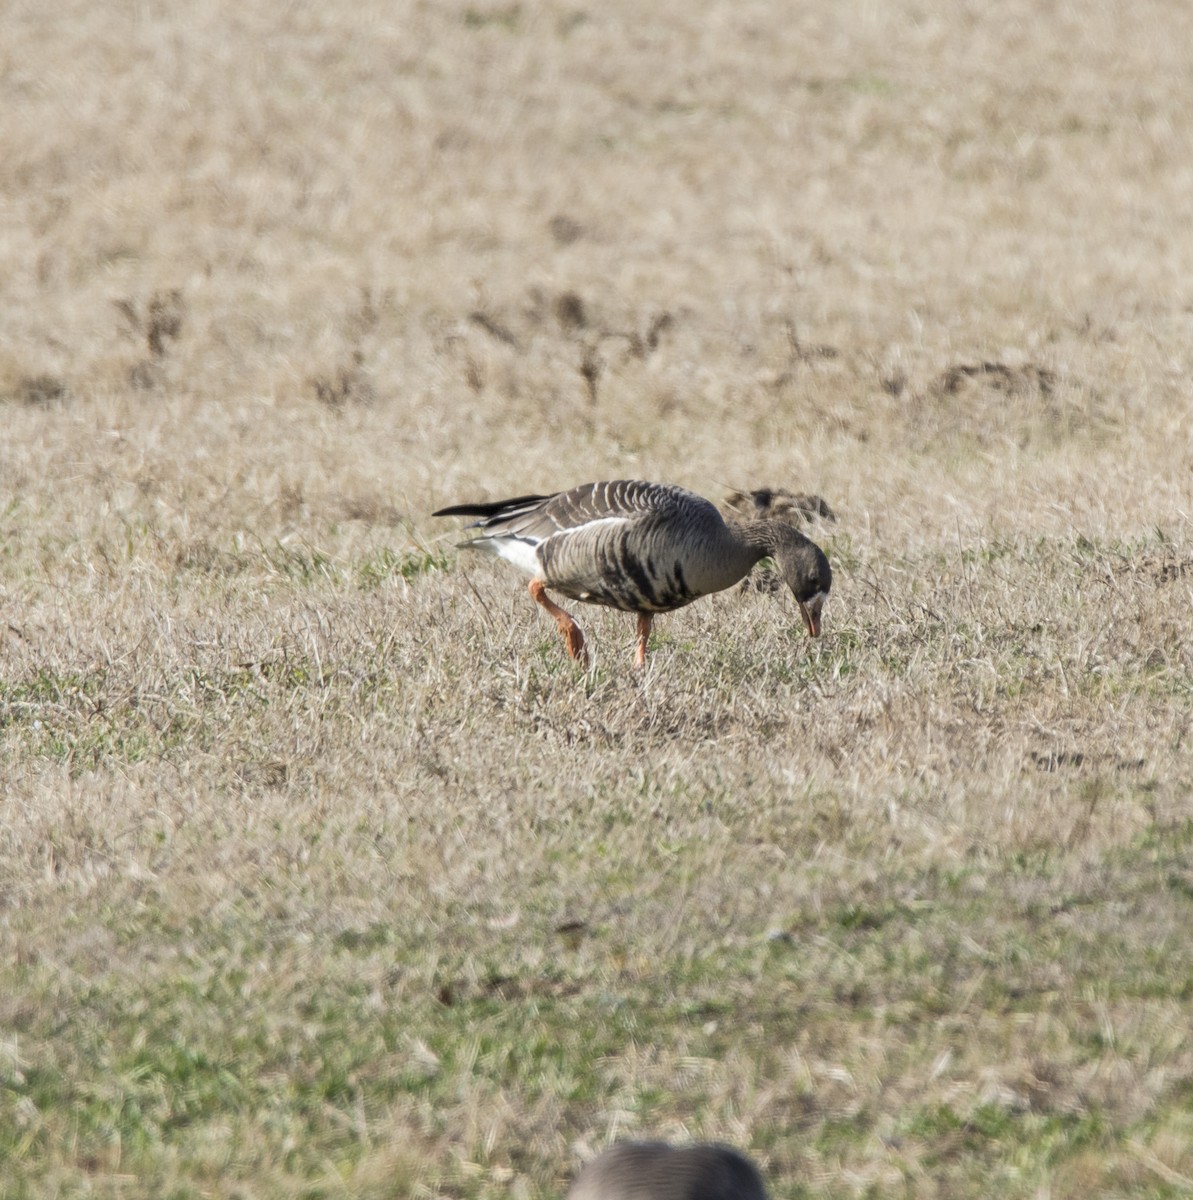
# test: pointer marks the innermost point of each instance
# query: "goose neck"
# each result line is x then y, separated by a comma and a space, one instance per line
761, 537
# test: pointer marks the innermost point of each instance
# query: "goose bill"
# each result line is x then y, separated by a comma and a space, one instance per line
811, 614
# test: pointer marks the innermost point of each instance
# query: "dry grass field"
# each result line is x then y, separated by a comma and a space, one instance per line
323, 872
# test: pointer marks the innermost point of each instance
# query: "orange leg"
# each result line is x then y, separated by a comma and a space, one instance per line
644, 623
567, 626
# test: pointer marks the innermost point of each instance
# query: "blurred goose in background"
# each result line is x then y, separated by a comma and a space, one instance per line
796, 508
657, 1171
643, 548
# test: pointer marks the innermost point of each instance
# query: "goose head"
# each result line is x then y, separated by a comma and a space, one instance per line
806, 572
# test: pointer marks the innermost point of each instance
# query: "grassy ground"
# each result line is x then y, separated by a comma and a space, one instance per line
322, 871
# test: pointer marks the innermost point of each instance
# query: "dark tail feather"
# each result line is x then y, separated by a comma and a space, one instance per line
486, 510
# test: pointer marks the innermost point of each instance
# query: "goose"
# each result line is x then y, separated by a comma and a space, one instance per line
658, 1171
796, 508
643, 548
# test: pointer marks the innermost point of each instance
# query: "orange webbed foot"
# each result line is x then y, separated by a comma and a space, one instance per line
575, 643
572, 636
644, 623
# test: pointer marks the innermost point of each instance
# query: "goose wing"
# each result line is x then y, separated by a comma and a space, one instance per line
539, 517
624, 544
